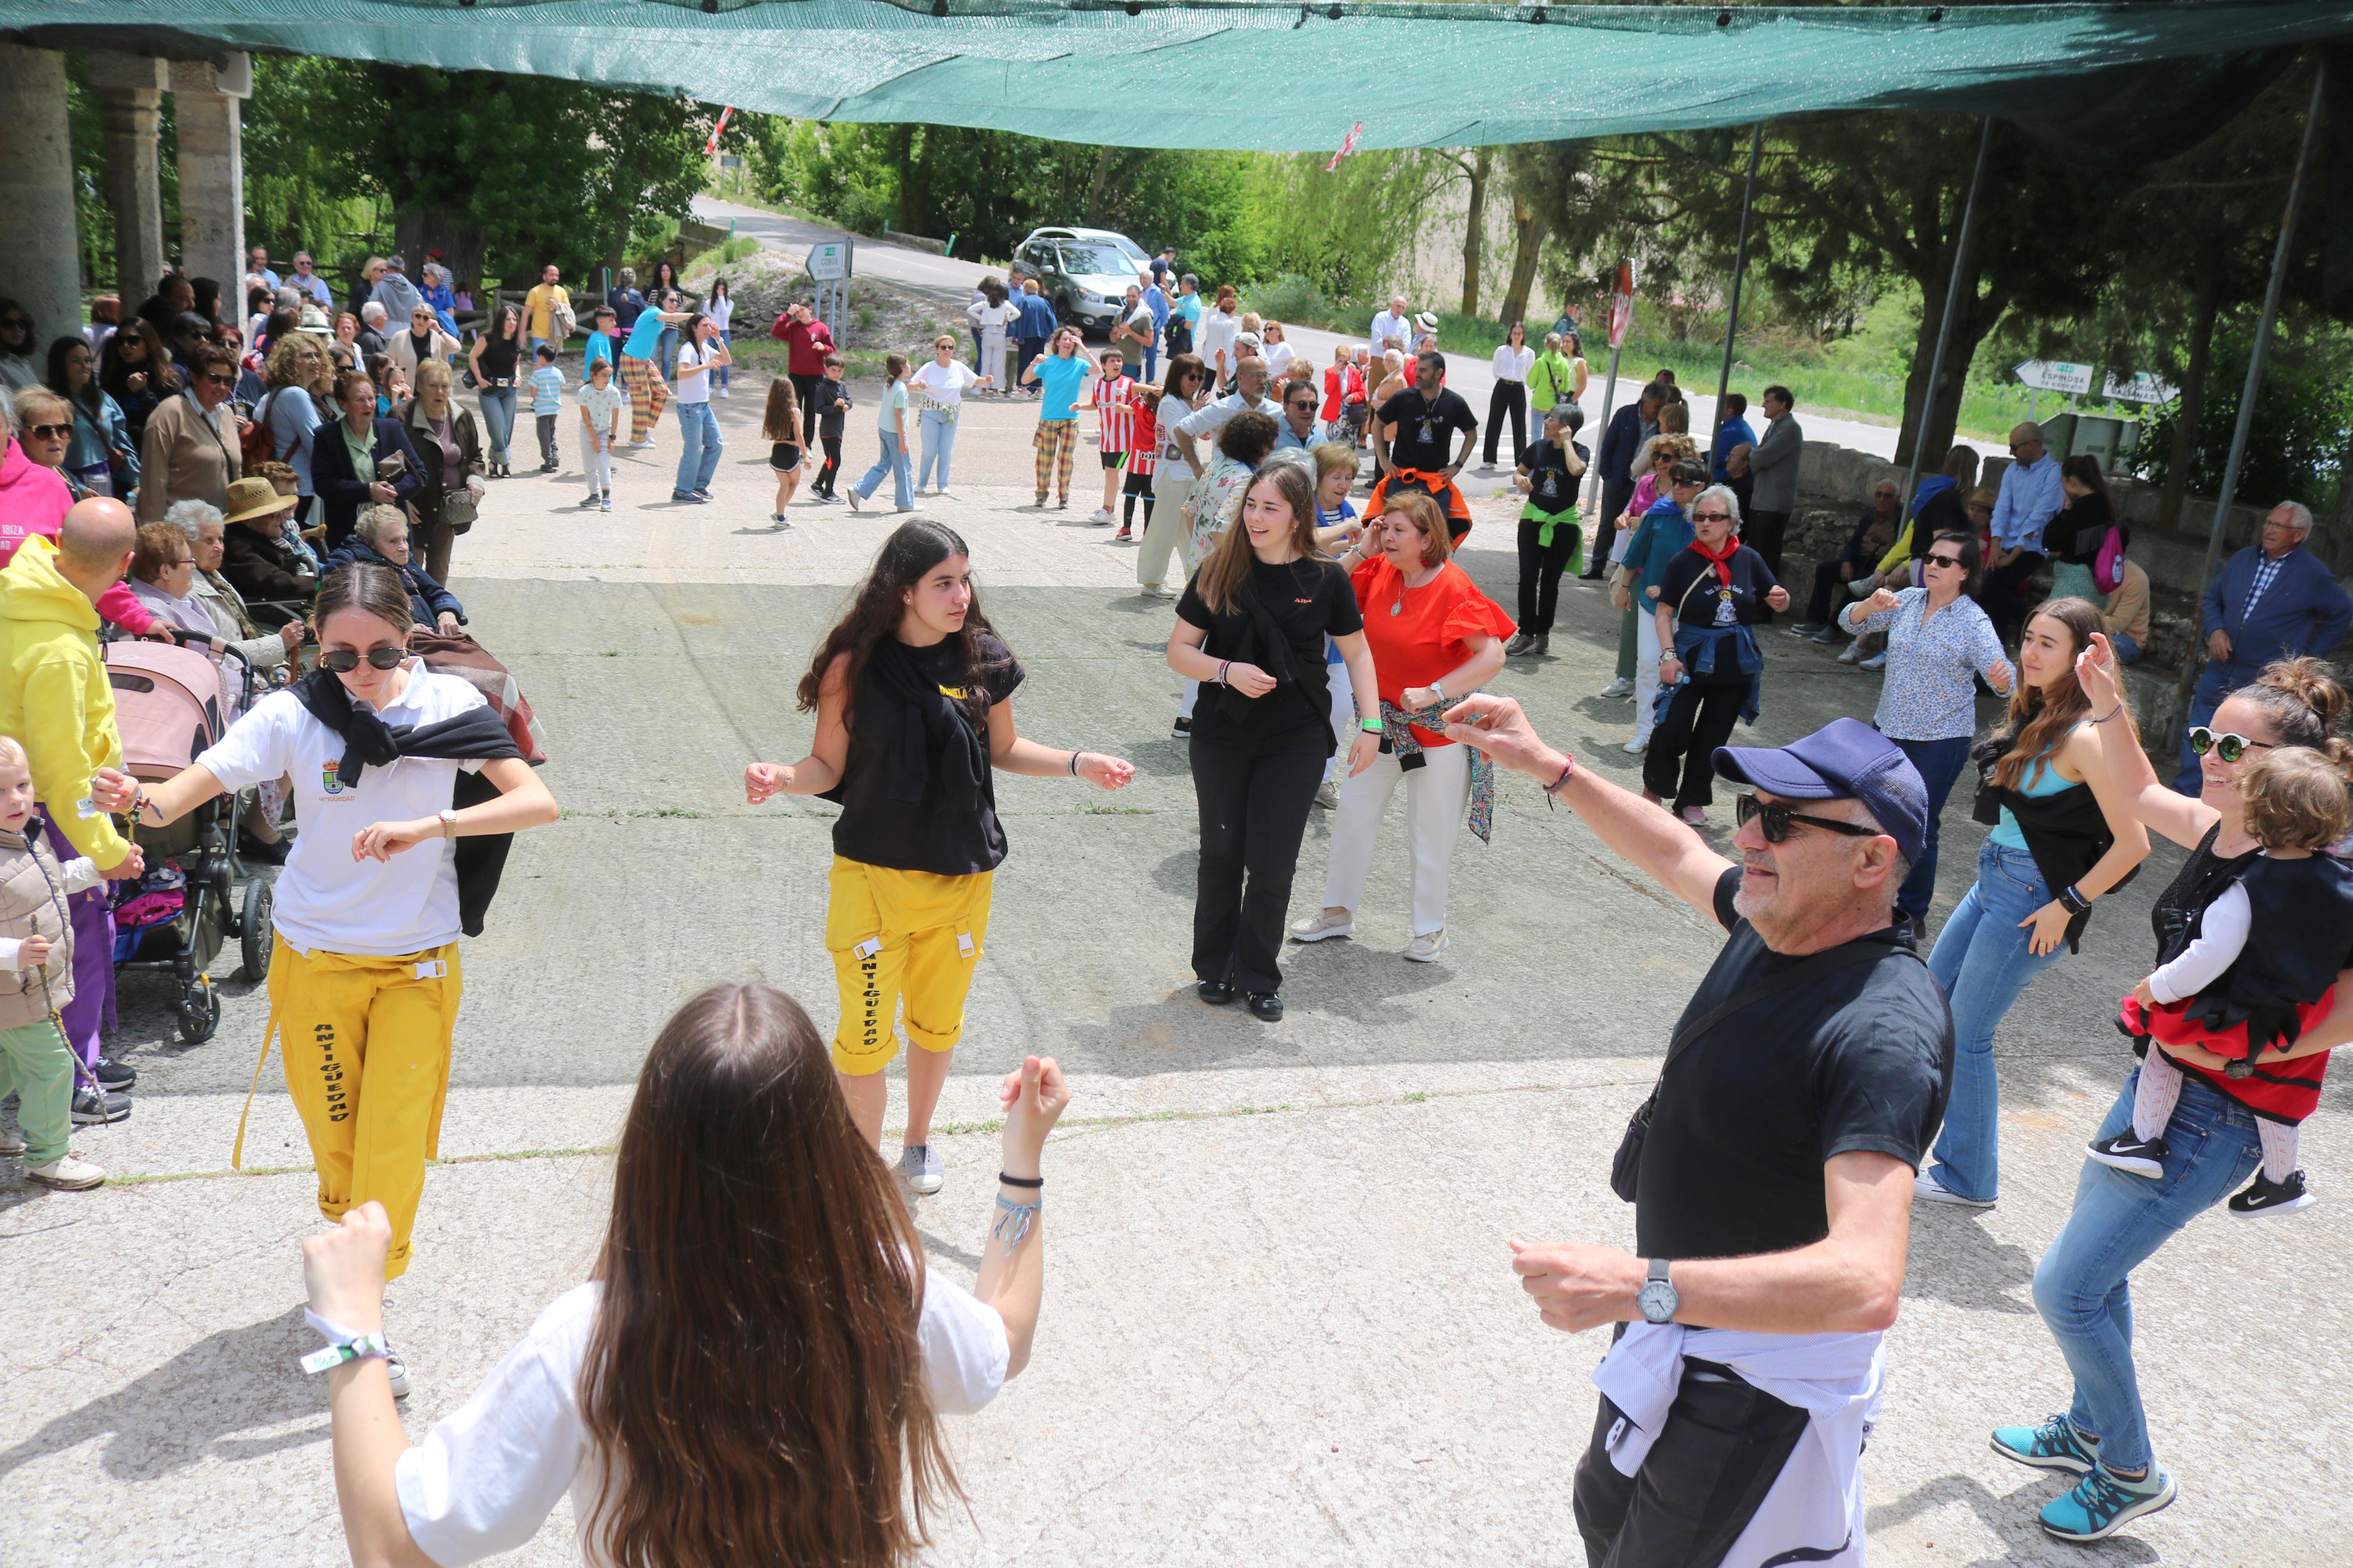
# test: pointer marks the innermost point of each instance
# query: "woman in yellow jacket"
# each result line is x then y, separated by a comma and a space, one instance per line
363, 975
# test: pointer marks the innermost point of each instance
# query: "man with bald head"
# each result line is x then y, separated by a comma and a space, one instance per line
2030, 498
56, 701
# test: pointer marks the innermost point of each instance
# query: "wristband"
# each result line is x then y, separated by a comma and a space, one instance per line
2073, 903
342, 1346
2109, 714
1553, 788
1032, 1182
1223, 665
1074, 764
1372, 727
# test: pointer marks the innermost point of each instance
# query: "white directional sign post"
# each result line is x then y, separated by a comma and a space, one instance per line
829, 268
2076, 381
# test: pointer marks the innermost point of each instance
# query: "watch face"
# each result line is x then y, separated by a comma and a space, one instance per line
1657, 1301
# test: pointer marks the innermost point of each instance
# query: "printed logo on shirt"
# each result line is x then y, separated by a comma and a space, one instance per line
328, 781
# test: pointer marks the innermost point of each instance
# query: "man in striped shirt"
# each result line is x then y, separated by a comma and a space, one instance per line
1115, 426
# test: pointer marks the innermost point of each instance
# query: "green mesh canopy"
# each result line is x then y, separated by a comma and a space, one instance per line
1271, 76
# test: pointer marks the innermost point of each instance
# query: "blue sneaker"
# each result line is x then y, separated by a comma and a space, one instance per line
2054, 1446
2101, 1504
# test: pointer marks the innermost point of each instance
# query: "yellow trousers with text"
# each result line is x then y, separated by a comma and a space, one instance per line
366, 1045
902, 937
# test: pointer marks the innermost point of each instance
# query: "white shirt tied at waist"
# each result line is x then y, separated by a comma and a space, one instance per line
1816, 1502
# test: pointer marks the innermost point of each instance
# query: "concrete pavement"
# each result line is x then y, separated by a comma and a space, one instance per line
1281, 1325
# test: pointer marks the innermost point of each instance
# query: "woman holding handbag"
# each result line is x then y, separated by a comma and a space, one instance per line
450, 486
493, 361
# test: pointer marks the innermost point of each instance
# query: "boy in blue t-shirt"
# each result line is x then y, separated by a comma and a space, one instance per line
546, 401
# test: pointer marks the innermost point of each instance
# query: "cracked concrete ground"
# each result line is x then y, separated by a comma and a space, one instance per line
1280, 1324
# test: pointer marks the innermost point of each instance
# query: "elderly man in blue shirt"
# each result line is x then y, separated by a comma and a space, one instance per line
2030, 498
2273, 600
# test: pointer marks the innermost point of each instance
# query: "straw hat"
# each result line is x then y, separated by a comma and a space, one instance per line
1427, 322
315, 320
249, 498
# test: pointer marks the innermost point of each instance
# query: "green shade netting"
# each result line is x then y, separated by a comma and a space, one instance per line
1279, 78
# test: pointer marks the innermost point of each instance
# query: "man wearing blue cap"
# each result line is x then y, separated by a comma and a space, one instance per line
1771, 1171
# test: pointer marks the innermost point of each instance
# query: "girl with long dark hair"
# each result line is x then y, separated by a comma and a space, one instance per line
496, 377
103, 454
1250, 628
2076, 535
913, 692
2063, 835
756, 1371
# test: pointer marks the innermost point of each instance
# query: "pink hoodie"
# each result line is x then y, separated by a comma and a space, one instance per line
34, 500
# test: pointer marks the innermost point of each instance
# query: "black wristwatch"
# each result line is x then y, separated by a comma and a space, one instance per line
1657, 1298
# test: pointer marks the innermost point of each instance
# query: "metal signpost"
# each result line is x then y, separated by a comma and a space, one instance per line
829, 268
1621, 318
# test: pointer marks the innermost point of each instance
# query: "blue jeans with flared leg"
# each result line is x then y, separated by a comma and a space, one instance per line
1981, 961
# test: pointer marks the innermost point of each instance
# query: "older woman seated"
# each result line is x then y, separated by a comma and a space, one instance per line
277, 583
380, 538
263, 649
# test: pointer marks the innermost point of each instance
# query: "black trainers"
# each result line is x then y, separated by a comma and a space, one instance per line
1265, 1006
114, 1076
2127, 1153
91, 1109
2264, 1196
1182, 729
1217, 993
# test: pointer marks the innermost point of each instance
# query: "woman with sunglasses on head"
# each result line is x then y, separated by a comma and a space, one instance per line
134, 370
2064, 835
1710, 592
1938, 642
409, 789
2083, 1286
191, 450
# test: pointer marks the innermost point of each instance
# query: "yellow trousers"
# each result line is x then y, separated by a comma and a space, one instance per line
900, 938
366, 1047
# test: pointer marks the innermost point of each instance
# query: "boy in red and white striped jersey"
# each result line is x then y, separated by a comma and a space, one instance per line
1112, 399
1143, 457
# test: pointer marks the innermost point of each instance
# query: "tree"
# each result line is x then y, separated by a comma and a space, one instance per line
1476, 170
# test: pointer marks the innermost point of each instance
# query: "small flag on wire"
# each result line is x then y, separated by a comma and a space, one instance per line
1347, 145
717, 130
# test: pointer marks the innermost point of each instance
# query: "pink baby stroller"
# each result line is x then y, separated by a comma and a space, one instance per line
170, 703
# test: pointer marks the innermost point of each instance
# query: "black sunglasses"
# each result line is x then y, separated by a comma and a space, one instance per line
219, 378
2225, 745
1711, 517
344, 660
1943, 560
48, 432
1776, 817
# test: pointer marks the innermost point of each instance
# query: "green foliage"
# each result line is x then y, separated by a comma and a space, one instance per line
2304, 415
1349, 232
309, 183
1293, 299
735, 249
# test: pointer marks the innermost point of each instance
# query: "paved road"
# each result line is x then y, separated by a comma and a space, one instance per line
1280, 1325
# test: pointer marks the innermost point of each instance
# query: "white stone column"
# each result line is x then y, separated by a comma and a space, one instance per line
131, 90
206, 112
39, 264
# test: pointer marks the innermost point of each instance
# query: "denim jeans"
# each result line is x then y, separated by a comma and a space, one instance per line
498, 418
1938, 763
2082, 1287
719, 372
892, 462
698, 446
1981, 961
938, 429
666, 352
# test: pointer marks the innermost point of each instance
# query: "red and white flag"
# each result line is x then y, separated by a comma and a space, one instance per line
1621, 305
717, 130
1347, 145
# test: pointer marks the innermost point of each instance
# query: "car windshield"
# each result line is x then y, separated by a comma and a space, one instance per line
1087, 260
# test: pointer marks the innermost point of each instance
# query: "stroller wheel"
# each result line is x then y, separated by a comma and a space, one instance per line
199, 1012
253, 927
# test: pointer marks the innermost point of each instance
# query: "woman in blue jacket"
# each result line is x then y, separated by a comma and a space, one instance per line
349, 466
380, 538
103, 454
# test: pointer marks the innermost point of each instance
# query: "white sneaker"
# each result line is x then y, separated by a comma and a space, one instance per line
1327, 796
397, 1370
1638, 745
1927, 1189
1853, 654
1876, 662
1621, 687
1103, 518
1318, 927
921, 1169
1696, 815
10, 1145
67, 1173
1425, 948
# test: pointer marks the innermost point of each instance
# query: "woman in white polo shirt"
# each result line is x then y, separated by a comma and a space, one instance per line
364, 975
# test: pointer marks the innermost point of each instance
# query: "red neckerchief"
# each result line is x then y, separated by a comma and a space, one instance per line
1723, 562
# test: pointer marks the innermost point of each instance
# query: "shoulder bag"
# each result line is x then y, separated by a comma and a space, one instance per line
1625, 1166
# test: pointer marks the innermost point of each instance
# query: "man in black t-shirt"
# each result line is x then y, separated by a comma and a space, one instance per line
1773, 1189
1413, 429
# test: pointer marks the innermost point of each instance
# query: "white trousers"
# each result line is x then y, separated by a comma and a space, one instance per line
1437, 802
1343, 720
1163, 535
1646, 666
599, 465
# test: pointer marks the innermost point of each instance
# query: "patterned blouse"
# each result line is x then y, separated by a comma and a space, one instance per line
1931, 692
